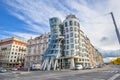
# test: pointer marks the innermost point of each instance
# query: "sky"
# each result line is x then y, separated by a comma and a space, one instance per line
30, 18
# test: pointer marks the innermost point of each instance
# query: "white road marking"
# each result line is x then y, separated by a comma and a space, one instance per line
114, 77
110, 71
98, 79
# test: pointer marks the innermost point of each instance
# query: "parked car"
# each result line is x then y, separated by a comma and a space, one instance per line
91, 67
2, 70
78, 67
35, 67
14, 69
88, 67
19, 67
84, 68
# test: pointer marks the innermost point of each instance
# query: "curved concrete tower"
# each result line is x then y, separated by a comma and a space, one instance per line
75, 43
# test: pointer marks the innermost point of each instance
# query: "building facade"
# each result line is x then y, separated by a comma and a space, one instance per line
35, 49
76, 50
68, 46
12, 52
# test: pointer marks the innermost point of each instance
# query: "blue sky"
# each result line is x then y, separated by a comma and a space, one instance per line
30, 18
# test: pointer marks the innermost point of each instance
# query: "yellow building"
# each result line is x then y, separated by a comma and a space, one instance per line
116, 61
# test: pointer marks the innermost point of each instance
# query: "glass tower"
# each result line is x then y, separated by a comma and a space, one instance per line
54, 51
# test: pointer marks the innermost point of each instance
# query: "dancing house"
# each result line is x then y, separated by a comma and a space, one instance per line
69, 46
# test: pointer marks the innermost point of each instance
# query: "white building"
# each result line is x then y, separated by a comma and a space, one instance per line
35, 49
12, 52
76, 50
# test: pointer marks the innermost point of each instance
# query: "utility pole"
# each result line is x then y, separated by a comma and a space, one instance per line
116, 29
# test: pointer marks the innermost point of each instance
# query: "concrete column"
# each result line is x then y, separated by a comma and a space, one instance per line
72, 64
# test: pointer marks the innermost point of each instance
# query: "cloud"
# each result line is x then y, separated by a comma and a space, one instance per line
108, 59
94, 16
104, 39
22, 35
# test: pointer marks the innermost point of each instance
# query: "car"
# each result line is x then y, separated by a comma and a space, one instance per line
78, 67
88, 67
35, 67
2, 70
14, 69
84, 68
19, 67
91, 67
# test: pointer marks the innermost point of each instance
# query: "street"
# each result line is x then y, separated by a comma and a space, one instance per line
105, 73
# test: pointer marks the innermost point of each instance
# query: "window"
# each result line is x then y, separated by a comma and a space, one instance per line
66, 29
67, 41
72, 45
71, 40
82, 50
71, 34
75, 23
54, 46
71, 28
67, 35
63, 31
10, 60
76, 47
76, 35
79, 48
67, 47
70, 22
76, 41
82, 59
67, 52
55, 41
53, 20
79, 59
11, 56
72, 52
75, 29
65, 24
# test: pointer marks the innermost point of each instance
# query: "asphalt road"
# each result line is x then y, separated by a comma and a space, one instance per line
105, 73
